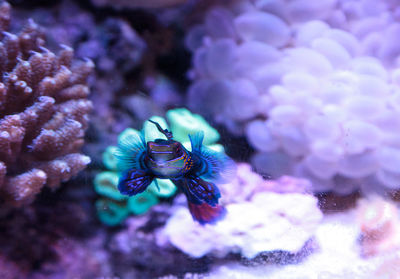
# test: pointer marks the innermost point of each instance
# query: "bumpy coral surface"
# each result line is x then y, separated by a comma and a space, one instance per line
315, 87
43, 113
258, 220
120, 4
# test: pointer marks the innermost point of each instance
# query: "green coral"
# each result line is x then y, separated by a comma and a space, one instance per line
113, 208
140, 204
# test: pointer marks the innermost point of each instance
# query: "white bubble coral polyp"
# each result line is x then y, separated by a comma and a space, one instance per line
336, 113
326, 98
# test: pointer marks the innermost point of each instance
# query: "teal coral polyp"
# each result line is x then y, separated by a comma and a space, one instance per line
113, 208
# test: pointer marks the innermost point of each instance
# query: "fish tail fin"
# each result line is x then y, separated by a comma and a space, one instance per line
202, 199
205, 213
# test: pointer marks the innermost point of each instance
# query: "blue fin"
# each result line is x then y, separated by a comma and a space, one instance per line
212, 163
198, 190
130, 153
134, 182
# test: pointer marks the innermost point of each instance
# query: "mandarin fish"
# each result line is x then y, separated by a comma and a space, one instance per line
193, 172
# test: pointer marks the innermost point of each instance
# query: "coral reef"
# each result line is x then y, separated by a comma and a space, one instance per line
137, 246
56, 230
126, 76
43, 114
379, 222
273, 220
247, 183
113, 208
313, 87
134, 4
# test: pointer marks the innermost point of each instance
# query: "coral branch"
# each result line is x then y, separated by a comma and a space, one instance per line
43, 112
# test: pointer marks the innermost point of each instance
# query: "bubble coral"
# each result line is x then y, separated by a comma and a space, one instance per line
314, 87
135, 4
43, 113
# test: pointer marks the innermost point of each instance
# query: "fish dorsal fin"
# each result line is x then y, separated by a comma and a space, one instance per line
134, 182
130, 152
213, 163
196, 141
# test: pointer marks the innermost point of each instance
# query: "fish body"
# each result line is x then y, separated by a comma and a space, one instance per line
168, 159
191, 171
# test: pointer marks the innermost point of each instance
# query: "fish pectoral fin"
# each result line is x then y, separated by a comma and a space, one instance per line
199, 190
134, 182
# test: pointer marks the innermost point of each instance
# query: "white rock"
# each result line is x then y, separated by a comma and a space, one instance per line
275, 224
262, 27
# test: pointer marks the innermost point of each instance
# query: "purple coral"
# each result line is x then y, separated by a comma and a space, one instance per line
313, 86
43, 112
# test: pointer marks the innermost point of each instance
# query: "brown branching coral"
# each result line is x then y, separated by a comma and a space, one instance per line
43, 112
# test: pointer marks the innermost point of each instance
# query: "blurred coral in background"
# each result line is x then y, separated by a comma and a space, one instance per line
314, 87
44, 113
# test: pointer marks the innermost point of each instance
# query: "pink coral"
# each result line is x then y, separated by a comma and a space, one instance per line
379, 225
